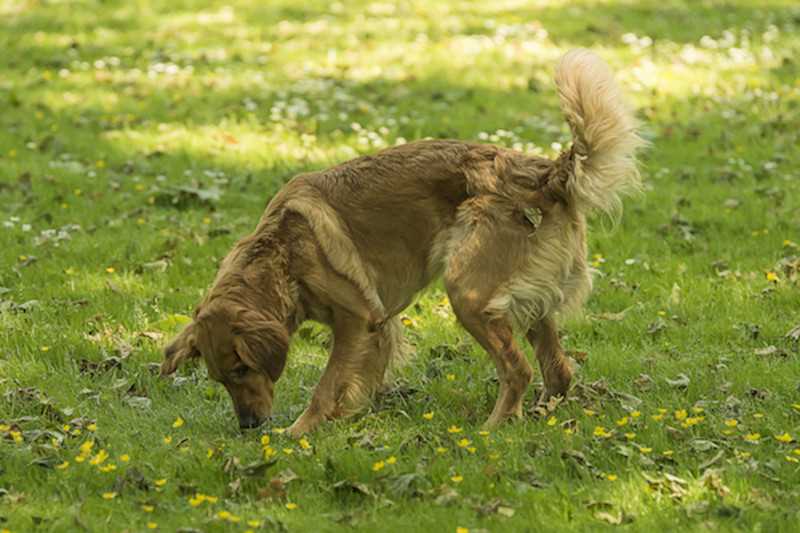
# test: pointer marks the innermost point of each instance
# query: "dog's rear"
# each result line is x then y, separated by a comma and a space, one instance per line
604, 129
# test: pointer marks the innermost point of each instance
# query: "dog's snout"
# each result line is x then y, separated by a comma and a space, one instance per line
249, 421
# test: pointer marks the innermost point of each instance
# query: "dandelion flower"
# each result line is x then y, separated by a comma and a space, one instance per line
731, 422
109, 495
463, 443
454, 429
636, 414
441, 450
428, 416
148, 508
772, 277
391, 460
291, 506
457, 478
178, 423
63, 466
92, 427
304, 444
611, 477
784, 438
124, 457
752, 437
152, 525
552, 421
378, 466
168, 439
681, 414
623, 421
160, 482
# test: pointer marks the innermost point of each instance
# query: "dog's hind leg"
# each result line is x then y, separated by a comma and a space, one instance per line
479, 263
554, 365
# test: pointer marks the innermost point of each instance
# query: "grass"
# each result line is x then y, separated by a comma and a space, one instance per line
138, 140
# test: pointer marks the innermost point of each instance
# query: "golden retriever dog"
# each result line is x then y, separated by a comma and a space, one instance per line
352, 245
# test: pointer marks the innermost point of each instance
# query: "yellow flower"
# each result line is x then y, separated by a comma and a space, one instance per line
472, 449
454, 429
124, 457
254, 523
667, 453
552, 421
636, 414
225, 515
291, 506
110, 270
601, 432
784, 438
758, 415
209, 453
457, 478
611, 477
451, 377
796, 406
152, 525
101, 456
630, 436
441, 450
428, 416
460, 529
622, 421
86, 447
109, 495
589, 412
731, 422
483, 433
288, 451
304, 444
107, 468
168, 439
391, 460
644, 450
16, 436
378, 466
160, 482
692, 421
6, 427
196, 500
92, 427
681, 414
45, 348
63, 466
697, 410
178, 423
657, 418
269, 452
792, 459
148, 508
752, 437
772, 276
265, 440
463, 443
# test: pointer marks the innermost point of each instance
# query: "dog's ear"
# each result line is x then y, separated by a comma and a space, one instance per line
181, 348
261, 343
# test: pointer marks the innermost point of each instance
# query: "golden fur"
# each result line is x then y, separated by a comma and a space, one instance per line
350, 247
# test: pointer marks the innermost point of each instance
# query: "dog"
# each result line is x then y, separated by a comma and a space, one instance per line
351, 246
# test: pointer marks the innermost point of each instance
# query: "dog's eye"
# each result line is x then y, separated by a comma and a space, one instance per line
240, 371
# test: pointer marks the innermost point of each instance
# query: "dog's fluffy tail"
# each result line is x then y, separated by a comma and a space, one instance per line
604, 131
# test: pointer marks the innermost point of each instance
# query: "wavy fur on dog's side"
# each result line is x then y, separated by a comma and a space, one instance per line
350, 246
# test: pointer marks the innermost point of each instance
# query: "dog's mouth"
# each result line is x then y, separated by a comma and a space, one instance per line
251, 421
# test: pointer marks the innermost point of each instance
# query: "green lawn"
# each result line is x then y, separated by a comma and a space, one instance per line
139, 140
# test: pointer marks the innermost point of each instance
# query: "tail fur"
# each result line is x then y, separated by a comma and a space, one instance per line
604, 131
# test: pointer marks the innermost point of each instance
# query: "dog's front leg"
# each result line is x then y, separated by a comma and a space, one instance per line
355, 369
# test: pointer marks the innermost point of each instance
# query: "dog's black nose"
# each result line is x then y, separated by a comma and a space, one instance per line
249, 422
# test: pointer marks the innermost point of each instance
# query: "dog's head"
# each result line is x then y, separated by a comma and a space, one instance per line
243, 349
